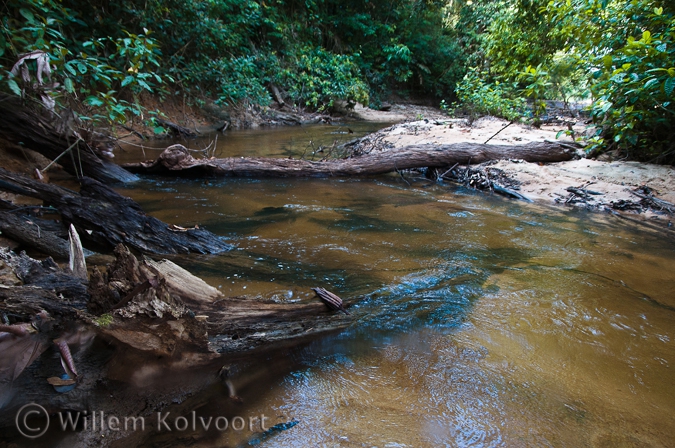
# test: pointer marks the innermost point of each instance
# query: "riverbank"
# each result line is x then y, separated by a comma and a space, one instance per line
620, 185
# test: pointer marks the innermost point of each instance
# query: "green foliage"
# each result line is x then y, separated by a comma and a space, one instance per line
317, 78
317, 51
239, 80
481, 98
629, 50
621, 53
93, 76
537, 83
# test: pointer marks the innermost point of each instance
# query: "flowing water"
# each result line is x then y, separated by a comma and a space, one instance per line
485, 322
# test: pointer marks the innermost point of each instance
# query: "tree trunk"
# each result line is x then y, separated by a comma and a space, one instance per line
39, 130
176, 158
105, 218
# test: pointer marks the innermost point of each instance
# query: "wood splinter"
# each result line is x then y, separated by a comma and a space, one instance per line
332, 301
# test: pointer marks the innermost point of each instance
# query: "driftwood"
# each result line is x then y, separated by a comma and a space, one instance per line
482, 177
649, 200
176, 158
105, 218
45, 133
233, 324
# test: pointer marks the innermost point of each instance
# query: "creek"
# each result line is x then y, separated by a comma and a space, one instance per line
485, 321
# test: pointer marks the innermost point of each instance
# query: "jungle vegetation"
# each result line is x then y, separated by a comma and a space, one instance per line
501, 57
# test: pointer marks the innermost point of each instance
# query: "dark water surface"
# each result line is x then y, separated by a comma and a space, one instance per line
486, 322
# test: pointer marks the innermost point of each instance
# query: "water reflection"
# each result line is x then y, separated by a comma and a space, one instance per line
485, 322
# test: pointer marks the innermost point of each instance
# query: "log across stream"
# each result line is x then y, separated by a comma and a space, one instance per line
177, 159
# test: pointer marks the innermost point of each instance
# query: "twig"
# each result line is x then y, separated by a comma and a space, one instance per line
495, 134
56, 159
508, 192
401, 174
453, 167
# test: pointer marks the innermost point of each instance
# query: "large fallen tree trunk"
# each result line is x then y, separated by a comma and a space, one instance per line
105, 218
46, 133
176, 158
157, 317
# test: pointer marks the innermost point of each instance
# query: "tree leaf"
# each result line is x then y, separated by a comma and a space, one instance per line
127, 80
14, 87
144, 85
669, 86
94, 101
27, 15
68, 84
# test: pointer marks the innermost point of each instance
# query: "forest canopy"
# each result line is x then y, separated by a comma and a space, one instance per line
501, 57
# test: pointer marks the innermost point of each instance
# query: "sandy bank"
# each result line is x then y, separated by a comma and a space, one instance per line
614, 180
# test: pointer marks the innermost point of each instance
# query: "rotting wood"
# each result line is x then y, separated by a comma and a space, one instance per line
105, 218
274, 90
46, 133
45, 285
176, 158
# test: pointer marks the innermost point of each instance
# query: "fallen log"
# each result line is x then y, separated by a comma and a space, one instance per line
176, 158
44, 132
233, 324
104, 218
31, 232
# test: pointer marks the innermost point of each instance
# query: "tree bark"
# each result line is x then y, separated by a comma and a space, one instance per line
39, 130
105, 218
176, 158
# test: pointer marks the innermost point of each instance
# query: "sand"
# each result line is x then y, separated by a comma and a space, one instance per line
545, 183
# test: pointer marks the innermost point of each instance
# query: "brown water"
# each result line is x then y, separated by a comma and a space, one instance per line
487, 322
